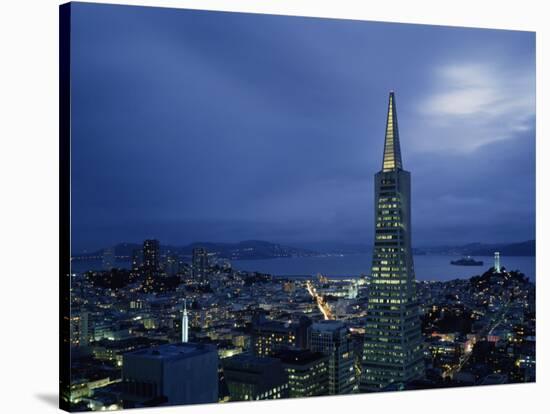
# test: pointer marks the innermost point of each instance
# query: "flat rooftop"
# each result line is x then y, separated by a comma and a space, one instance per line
276, 326
173, 351
299, 357
328, 325
247, 361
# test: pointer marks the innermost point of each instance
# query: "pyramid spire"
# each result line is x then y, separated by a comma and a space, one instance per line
392, 151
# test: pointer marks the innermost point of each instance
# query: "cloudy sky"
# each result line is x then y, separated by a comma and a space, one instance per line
206, 126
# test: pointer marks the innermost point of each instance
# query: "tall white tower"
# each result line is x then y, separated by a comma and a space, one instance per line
184, 323
497, 262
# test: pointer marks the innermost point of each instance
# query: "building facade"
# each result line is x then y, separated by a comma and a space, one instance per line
332, 339
307, 372
251, 378
269, 337
393, 340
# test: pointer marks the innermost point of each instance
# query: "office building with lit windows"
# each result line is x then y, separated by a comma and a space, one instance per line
332, 339
307, 372
250, 378
392, 350
270, 337
151, 263
200, 264
80, 327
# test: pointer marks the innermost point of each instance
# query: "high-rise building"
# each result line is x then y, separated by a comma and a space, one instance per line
83, 328
307, 372
150, 267
184, 323
393, 341
249, 377
151, 255
332, 339
200, 264
183, 373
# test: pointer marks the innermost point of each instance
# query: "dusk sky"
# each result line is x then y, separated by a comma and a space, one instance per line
208, 126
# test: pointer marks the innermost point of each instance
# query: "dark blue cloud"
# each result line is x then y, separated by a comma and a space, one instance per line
190, 125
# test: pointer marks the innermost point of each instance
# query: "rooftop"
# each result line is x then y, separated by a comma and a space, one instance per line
249, 361
328, 325
299, 357
173, 351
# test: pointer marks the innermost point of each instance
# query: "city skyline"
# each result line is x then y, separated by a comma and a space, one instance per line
141, 95
182, 125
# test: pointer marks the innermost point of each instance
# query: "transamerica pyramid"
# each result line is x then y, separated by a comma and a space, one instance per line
392, 350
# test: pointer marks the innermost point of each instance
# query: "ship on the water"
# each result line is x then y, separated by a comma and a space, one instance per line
467, 261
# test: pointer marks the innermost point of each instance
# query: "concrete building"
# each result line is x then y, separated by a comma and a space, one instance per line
183, 373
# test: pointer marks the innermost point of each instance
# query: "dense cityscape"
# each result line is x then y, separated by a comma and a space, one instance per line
188, 329
273, 337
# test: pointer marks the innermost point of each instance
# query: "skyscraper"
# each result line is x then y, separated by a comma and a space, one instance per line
393, 341
200, 264
151, 269
151, 254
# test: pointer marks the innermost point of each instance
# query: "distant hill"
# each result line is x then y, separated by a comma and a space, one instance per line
526, 248
249, 249
258, 249
244, 250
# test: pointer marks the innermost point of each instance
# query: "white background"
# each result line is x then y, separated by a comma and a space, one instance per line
29, 203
